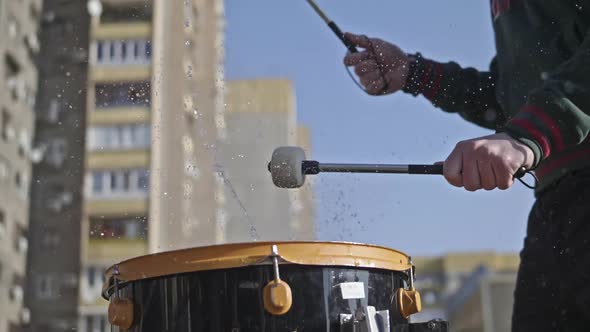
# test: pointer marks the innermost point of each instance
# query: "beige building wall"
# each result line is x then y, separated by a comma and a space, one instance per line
187, 124
18, 86
439, 278
487, 306
261, 116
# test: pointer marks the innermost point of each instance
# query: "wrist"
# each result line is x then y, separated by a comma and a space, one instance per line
530, 148
412, 77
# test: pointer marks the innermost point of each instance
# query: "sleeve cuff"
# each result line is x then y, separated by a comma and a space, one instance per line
424, 77
533, 145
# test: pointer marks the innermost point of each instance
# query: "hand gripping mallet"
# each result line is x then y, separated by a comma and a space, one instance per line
288, 168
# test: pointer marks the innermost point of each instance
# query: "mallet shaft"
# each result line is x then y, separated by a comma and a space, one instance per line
333, 26
310, 167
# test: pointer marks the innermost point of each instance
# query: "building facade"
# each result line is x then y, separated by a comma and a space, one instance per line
441, 278
261, 116
153, 113
188, 124
19, 47
484, 302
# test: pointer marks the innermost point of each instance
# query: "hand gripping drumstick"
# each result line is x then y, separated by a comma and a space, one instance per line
333, 26
288, 168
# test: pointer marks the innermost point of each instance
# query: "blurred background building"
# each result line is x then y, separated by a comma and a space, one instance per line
135, 141
18, 48
484, 302
261, 116
456, 287
56, 190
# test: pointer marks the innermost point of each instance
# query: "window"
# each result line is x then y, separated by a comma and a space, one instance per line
4, 169
46, 286
89, 323
136, 94
13, 27
91, 276
143, 179
20, 239
6, 131
50, 239
134, 136
16, 290
120, 183
97, 182
55, 152
12, 70
2, 224
132, 13
119, 228
22, 183
123, 52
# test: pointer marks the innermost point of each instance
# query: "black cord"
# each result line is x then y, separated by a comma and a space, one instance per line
379, 65
528, 185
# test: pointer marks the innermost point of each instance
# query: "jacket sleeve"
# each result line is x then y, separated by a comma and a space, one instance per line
465, 91
557, 113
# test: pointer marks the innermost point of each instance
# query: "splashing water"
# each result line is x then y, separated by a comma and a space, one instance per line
253, 232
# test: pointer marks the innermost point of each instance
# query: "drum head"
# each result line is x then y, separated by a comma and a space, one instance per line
245, 254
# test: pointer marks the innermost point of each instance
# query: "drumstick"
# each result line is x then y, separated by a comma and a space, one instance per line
333, 26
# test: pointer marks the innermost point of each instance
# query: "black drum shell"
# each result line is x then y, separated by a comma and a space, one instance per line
231, 299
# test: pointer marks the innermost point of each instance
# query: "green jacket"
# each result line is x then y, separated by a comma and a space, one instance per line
537, 88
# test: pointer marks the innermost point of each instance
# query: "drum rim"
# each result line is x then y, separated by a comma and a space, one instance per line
173, 262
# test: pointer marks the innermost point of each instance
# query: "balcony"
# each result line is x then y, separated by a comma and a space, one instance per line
117, 207
123, 30
119, 115
118, 159
115, 249
121, 74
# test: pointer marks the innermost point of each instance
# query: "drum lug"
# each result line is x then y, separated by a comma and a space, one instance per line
277, 295
120, 312
408, 300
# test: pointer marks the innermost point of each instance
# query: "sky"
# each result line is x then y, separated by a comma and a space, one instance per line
417, 214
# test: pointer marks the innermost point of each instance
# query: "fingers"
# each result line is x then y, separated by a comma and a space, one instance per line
453, 166
373, 82
504, 177
487, 175
358, 40
366, 67
352, 59
471, 179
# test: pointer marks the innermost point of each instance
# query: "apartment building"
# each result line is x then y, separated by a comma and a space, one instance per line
19, 46
153, 111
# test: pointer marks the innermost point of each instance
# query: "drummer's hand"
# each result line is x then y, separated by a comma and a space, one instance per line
488, 162
393, 61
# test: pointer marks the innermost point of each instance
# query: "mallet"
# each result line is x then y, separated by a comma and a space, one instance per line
288, 168
333, 27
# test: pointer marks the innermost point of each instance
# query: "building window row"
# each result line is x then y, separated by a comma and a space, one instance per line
119, 137
94, 323
125, 94
119, 228
123, 52
120, 183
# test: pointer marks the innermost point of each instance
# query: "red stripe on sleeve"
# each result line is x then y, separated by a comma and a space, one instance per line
558, 143
426, 75
535, 134
433, 91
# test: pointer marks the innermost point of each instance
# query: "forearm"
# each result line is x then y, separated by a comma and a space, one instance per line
465, 91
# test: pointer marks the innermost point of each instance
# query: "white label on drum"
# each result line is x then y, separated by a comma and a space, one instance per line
352, 290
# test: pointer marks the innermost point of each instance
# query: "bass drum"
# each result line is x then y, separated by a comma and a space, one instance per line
253, 287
